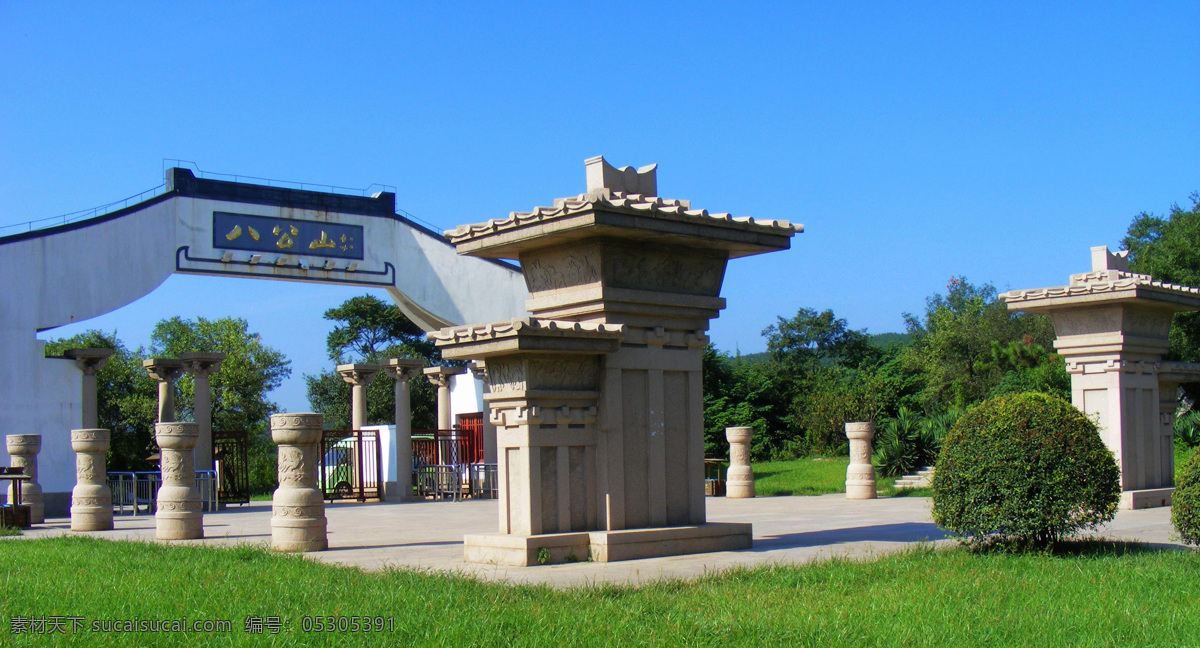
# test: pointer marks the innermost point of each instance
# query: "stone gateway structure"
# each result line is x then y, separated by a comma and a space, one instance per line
596, 397
1113, 327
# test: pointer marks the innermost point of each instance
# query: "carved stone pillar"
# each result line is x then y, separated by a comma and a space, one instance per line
298, 508
860, 474
201, 366
1113, 328
23, 449
402, 370
618, 257
479, 370
359, 376
91, 500
165, 371
89, 361
739, 481
179, 515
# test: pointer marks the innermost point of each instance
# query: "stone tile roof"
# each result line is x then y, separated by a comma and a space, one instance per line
526, 326
1095, 283
636, 204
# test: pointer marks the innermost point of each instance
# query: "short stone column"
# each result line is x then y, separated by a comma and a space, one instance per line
739, 481
23, 449
359, 376
179, 516
298, 508
402, 370
165, 371
90, 361
860, 474
91, 501
201, 366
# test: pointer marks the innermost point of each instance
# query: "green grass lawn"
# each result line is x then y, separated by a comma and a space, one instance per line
808, 476
1110, 595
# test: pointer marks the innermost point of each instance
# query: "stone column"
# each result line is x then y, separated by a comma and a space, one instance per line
860, 474
201, 366
91, 501
479, 370
297, 508
440, 377
89, 361
402, 370
165, 371
179, 516
23, 448
359, 376
739, 481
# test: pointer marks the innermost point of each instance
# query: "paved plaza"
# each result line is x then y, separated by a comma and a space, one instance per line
429, 535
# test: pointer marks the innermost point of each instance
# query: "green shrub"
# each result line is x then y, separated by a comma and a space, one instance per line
1024, 468
1185, 503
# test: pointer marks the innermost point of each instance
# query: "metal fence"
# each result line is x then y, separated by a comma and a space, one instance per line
349, 466
135, 493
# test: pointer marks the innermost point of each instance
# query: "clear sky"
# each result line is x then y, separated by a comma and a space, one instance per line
915, 141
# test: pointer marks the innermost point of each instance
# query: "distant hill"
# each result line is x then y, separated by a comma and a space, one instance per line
885, 340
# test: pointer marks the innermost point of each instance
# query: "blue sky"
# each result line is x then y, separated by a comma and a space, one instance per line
915, 141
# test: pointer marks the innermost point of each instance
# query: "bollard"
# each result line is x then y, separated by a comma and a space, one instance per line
23, 448
298, 507
179, 515
860, 474
91, 501
739, 481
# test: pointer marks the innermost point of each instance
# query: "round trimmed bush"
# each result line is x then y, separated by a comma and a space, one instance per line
1185, 502
1025, 468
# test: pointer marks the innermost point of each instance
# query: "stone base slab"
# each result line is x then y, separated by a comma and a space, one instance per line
606, 546
1150, 498
392, 492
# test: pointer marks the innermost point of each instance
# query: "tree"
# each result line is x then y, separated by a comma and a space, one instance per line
811, 340
739, 393
1168, 249
126, 398
370, 331
952, 346
250, 370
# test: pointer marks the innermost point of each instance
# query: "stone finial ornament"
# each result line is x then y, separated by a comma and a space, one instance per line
298, 509
91, 500
603, 176
860, 474
739, 481
23, 449
179, 515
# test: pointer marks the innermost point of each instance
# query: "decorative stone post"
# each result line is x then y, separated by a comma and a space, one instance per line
23, 449
597, 397
479, 370
91, 500
165, 371
739, 481
359, 376
201, 366
179, 515
860, 474
402, 370
1113, 329
298, 508
89, 361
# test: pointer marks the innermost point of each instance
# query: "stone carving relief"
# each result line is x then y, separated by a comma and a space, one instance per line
85, 468
1086, 322
680, 273
1148, 324
565, 374
291, 464
506, 376
561, 270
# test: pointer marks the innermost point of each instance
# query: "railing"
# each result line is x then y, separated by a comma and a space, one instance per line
137, 492
83, 214
350, 465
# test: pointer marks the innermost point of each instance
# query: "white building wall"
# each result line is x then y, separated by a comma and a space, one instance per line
466, 395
